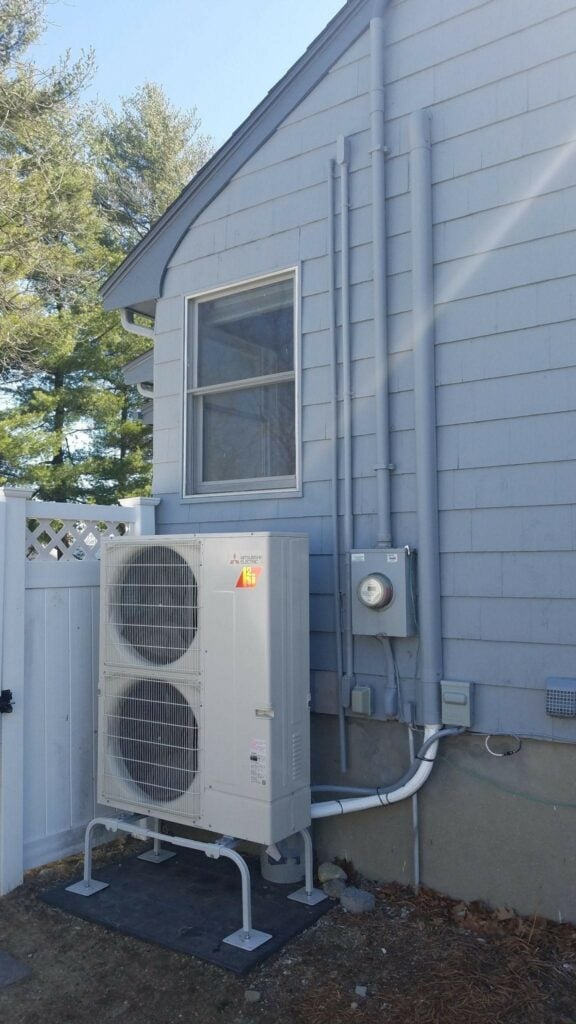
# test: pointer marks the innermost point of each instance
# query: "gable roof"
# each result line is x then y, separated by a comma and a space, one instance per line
137, 282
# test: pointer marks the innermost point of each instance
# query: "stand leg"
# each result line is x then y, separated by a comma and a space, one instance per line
156, 855
88, 886
246, 937
308, 895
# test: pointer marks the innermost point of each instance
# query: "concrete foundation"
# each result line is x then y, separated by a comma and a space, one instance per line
502, 830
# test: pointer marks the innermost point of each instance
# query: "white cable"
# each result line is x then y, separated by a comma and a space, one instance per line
503, 753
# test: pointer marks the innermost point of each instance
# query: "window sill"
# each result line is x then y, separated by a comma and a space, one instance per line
271, 495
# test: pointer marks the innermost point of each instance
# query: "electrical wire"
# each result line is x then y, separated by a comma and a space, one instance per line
503, 753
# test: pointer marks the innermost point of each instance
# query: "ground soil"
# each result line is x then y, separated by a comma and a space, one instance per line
421, 959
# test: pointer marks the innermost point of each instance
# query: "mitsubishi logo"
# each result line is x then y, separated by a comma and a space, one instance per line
234, 560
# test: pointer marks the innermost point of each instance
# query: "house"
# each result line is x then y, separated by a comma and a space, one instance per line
387, 244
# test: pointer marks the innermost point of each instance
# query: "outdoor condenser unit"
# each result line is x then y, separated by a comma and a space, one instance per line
204, 682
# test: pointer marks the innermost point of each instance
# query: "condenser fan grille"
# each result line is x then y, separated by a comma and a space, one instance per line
153, 739
153, 603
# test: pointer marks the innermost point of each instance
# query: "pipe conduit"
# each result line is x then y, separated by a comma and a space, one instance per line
343, 162
336, 574
382, 797
429, 607
430, 624
378, 153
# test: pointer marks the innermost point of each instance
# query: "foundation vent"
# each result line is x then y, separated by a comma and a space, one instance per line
561, 697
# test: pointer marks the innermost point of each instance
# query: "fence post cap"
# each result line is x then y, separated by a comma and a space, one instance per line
16, 492
138, 502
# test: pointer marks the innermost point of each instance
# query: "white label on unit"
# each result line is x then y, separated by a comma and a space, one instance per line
358, 556
258, 762
391, 558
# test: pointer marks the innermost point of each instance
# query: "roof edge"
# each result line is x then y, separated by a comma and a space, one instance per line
338, 35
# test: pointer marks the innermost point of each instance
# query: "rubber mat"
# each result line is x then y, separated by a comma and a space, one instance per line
190, 904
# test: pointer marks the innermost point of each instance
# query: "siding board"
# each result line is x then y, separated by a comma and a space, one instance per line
498, 80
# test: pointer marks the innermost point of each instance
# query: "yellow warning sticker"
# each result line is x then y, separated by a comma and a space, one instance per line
249, 577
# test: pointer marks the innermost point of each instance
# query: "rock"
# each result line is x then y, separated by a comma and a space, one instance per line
252, 996
504, 914
327, 872
334, 887
353, 1006
361, 990
356, 901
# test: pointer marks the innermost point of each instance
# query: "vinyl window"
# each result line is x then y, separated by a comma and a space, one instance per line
241, 389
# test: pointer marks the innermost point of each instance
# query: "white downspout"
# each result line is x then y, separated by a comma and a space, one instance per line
127, 321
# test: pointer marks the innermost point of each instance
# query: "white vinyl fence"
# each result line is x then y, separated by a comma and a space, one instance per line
49, 597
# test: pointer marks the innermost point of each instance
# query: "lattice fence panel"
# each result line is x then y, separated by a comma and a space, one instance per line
70, 540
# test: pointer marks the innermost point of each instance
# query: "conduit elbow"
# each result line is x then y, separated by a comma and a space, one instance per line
331, 808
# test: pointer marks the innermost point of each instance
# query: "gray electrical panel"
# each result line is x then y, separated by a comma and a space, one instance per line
456, 703
383, 592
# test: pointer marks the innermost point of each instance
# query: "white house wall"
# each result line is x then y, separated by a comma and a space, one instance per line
498, 78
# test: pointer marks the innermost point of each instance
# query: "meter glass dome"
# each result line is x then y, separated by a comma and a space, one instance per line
375, 591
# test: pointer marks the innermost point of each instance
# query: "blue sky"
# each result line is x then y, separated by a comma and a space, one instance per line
221, 56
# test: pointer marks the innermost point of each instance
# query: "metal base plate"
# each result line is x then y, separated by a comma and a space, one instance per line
87, 888
309, 898
247, 940
156, 858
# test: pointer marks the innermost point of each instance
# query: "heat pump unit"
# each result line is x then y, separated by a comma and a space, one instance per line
204, 682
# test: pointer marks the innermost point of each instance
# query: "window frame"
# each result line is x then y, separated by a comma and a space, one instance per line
193, 488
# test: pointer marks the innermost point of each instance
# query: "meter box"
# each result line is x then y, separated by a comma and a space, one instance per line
383, 592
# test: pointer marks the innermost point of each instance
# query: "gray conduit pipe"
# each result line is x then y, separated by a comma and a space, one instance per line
336, 582
430, 623
378, 151
429, 608
342, 157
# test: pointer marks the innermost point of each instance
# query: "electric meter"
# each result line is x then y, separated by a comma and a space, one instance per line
383, 592
375, 590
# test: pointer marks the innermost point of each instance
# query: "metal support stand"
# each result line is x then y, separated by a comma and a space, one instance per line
308, 895
246, 937
156, 855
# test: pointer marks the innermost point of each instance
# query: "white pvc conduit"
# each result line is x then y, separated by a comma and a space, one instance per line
331, 808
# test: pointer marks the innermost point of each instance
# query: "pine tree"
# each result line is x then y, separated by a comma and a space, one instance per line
148, 152
42, 187
77, 192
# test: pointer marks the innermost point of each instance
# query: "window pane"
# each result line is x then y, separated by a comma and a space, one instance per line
248, 334
248, 434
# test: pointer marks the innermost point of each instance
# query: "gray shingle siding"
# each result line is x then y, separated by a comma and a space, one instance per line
498, 79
